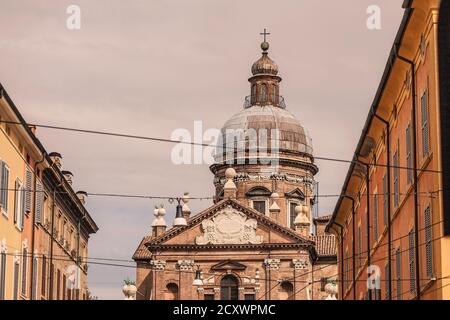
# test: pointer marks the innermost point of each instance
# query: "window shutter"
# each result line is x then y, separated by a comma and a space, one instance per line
4, 181
1, 184
24, 271
375, 218
424, 112
28, 190
16, 201
38, 202
2, 275
408, 154
386, 282
398, 273
35, 272
412, 282
428, 243
16, 280
22, 211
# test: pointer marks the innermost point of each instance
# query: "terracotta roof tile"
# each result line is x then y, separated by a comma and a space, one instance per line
325, 245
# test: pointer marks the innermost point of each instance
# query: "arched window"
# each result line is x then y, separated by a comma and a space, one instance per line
171, 292
229, 288
286, 291
253, 92
273, 93
259, 198
264, 92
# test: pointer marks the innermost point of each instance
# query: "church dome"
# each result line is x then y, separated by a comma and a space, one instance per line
264, 65
292, 135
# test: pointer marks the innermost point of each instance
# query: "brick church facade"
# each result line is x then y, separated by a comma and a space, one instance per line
259, 239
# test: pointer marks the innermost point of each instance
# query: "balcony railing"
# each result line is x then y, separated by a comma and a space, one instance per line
264, 100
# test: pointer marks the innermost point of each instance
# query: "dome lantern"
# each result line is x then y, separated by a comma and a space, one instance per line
265, 82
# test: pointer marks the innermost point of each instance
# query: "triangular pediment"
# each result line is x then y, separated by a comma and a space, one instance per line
228, 265
228, 223
295, 194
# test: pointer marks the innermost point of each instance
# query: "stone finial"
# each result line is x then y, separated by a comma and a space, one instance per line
159, 225
185, 209
230, 187
274, 209
179, 221
301, 221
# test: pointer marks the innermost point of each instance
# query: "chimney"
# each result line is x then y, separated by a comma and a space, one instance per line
159, 224
229, 190
179, 221
82, 195
186, 210
56, 158
68, 176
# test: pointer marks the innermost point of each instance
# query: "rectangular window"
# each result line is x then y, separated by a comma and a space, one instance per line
398, 273
250, 296
34, 275
16, 280
209, 296
428, 242
424, 124
28, 190
260, 206
360, 240
38, 202
396, 180
64, 288
408, 154
346, 262
2, 275
58, 284
17, 202
4, 185
44, 276
412, 282
292, 214
24, 271
375, 217
385, 200
387, 278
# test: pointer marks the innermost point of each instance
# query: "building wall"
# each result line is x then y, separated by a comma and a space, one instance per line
396, 105
21, 154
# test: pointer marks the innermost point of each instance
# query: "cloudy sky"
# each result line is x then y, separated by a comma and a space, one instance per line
150, 67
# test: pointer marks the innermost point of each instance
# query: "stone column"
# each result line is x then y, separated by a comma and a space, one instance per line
158, 267
186, 269
272, 266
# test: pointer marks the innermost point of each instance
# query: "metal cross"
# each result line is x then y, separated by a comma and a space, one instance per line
265, 33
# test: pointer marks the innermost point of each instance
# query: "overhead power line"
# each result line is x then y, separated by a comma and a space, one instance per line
147, 138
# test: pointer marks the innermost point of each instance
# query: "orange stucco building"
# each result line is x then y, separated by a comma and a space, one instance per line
44, 226
392, 220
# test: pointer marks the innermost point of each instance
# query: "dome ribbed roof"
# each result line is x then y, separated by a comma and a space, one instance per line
292, 135
264, 65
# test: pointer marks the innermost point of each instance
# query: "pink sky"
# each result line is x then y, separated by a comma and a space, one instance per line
150, 67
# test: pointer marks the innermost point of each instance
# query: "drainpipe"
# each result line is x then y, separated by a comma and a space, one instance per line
388, 182
416, 204
342, 257
33, 229
353, 245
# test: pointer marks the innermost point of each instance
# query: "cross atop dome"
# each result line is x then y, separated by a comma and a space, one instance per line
265, 44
